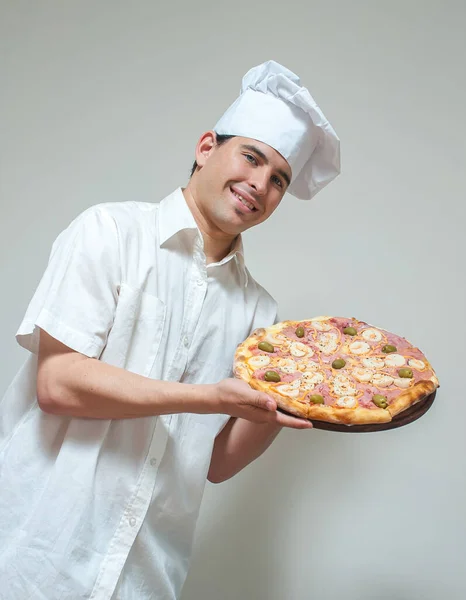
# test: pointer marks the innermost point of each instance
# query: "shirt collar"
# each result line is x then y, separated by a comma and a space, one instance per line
175, 216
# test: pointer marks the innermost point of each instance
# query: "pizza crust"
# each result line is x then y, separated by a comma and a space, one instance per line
323, 412
418, 392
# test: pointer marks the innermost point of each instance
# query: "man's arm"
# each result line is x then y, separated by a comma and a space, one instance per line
74, 385
240, 442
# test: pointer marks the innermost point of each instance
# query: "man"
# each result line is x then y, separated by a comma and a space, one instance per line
126, 404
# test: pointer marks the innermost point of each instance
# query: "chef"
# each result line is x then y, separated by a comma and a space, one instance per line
125, 405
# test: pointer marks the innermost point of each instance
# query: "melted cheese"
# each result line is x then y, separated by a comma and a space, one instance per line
347, 402
373, 362
363, 375
328, 342
359, 348
402, 382
299, 349
342, 386
259, 362
382, 380
287, 365
419, 365
372, 335
395, 360
289, 389
321, 325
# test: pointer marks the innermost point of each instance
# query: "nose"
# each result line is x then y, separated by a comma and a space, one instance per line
259, 181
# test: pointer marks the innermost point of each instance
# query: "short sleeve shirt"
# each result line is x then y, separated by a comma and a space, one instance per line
106, 509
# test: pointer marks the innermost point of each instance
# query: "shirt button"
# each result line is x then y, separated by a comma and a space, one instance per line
186, 342
200, 282
153, 461
132, 521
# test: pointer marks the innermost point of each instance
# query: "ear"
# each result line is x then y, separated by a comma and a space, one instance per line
204, 147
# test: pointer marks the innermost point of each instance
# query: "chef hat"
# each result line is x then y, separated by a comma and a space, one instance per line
275, 109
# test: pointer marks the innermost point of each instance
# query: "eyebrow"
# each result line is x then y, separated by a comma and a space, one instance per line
265, 159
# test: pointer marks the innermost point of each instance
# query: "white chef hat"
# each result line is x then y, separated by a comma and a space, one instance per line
275, 109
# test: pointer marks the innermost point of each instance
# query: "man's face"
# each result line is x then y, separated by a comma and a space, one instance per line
239, 183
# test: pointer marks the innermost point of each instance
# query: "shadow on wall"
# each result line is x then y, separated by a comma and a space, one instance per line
243, 547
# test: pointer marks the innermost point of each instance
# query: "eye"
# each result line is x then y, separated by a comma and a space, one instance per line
277, 180
250, 158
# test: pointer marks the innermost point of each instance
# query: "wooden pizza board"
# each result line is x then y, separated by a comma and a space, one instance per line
404, 418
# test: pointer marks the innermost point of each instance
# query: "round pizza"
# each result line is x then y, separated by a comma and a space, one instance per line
335, 369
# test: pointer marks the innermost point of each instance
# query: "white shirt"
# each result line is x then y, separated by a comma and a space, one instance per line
106, 509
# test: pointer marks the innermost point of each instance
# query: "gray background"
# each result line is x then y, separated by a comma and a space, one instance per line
105, 102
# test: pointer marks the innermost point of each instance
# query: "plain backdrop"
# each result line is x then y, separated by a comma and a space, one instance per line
104, 101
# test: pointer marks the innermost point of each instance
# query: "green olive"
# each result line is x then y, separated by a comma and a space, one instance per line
405, 372
388, 348
266, 347
316, 399
350, 331
338, 363
300, 332
380, 401
272, 376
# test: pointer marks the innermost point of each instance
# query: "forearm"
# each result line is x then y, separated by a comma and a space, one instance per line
89, 388
239, 443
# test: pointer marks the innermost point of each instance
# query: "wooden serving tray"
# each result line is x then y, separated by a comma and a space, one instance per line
404, 418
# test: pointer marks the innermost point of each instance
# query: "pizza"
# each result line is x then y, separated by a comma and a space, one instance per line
335, 369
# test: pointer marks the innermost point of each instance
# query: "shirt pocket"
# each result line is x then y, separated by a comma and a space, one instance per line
135, 336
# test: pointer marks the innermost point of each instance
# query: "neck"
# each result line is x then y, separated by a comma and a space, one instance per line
217, 244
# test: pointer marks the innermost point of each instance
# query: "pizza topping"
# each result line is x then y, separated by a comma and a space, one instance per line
402, 383
380, 401
309, 364
405, 372
289, 389
342, 386
395, 360
372, 335
321, 325
328, 343
299, 332
287, 365
275, 337
272, 376
420, 365
316, 399
362, 375
310, 379
347, 402
373, 362
388, 348
359, 348
266, 347
350, 331
259, 361
338, 363
314, 377
381, 380
299, 349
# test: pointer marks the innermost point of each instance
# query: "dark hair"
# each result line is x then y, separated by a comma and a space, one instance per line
220, 139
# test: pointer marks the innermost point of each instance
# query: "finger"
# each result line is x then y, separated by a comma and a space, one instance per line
263, 401
270, 403
293, 422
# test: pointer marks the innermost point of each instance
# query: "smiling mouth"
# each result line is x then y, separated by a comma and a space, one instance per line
245, 202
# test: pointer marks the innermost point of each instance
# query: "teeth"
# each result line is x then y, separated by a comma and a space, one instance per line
245, 202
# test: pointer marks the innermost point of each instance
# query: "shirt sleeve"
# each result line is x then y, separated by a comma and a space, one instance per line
76, 298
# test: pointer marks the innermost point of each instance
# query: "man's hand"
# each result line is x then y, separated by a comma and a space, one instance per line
238, 399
